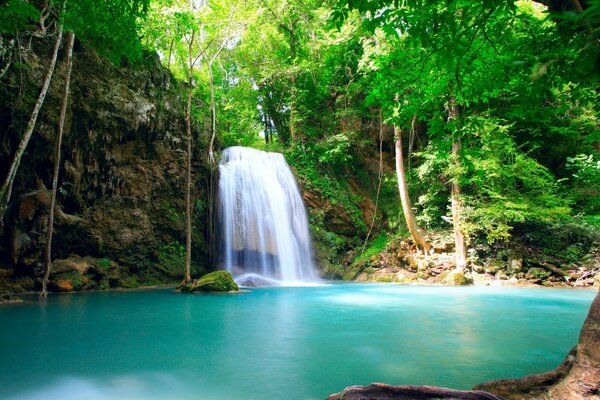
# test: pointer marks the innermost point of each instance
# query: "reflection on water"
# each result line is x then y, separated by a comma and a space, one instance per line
301, 342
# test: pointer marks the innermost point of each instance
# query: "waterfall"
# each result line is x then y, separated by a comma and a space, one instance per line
263, 224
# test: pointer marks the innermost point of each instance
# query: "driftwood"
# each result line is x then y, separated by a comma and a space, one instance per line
381, 391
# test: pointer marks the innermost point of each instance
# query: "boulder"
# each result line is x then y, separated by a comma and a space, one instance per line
217, 281
380, 391
458, 277
7, 298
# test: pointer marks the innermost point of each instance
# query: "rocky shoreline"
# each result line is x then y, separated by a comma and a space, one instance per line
519, 266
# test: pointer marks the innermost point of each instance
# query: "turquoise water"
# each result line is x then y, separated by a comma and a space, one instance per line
291, 343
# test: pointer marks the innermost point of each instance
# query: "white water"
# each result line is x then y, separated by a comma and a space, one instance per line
263, 224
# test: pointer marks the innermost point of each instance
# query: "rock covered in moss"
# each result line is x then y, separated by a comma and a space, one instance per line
458, 277
76, 273
217, 281
7, 298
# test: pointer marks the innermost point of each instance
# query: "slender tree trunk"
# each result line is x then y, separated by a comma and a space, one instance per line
188, 184
293, 109
460, 249
266, 122
213, 107
379, 180
411, 222
170, 52
6, 190
59, 135
213, 114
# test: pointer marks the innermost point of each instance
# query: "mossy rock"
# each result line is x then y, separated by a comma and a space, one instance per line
537, 273
458, 277
217, 281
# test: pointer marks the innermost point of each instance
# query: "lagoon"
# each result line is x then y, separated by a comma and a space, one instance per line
293, 343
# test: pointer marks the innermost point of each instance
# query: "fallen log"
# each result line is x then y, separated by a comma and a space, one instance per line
381, 391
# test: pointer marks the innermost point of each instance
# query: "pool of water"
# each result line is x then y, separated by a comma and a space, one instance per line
286, 343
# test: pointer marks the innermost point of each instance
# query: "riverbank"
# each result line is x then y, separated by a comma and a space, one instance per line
520, 265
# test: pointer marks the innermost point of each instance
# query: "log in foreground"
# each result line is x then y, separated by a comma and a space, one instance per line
576, 378
381, 391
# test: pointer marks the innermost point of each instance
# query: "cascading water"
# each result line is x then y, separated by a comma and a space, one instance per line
264, 229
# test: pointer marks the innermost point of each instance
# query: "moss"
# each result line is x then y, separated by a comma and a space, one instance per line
537, 273
217, 281
458, 277
375, 248
129, 282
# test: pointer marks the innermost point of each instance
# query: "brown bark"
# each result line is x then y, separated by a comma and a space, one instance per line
59, 135
409, 216
460, 250
6, 190
213, 107
213, 115
381, 391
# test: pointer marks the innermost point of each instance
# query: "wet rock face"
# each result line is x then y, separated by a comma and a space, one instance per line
380, 391
122, 173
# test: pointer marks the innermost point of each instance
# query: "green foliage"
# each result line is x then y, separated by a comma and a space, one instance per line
110, 26
376, 246
16, 15
172, 256
322, 179
585, 182
104, 263
129, 282
505, 185
199, 206
174, 215
569, 239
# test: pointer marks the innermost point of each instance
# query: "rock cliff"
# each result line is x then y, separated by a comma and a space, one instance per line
122, 173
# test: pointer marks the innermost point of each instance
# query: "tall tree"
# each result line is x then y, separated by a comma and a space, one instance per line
460, 251
415, 231
7, 185
58, 144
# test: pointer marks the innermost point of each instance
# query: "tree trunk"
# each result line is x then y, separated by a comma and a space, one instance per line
411, 222
266, 122
379, 180
292, 109
213, 114
6, 190
59, 134
460, 250
188, 184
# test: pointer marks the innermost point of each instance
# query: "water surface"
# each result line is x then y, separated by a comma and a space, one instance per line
292, 343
